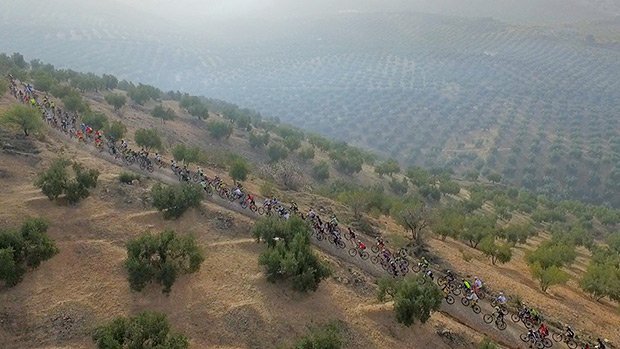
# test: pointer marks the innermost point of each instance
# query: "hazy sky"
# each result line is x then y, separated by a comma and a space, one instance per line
552, 10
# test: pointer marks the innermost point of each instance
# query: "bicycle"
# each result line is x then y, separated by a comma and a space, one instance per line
336, 241
474, 305
499, 320
358, 251
495, 303
562, 338
533, 338
419, 267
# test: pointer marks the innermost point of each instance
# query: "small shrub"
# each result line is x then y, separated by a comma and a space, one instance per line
115, 130
320, 172
97, 121
267, 189
277, 152
116, 100
307, 154
148, 329
127, 177
24, 249
26, 119
412, 298
148, 139
56, 181
325, 336
239, 170
161, 258
220, 129
174, 201
487, 343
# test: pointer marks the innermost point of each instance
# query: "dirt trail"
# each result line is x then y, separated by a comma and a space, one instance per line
464, 315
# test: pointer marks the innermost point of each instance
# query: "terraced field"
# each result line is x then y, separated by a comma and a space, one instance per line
535, 104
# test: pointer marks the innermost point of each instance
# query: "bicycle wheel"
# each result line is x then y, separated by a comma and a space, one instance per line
375, 249
223, 193
441, 281
540, 345
209, 191
405, 263
501, 325
558, 337
476, 308
142, 165
465, 301
150, 168
384, 265
320, 237
449, 299
416, 268
364, 255
515, 317
341, 245
528, 323
244, 204
261, 211
547, 343
111, 151
571, 344
195, 177
253, 208
481, 294
488, 318
352, 251
456, 291
374, 259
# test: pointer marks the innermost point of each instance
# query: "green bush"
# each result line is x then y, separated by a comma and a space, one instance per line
148, 139
25, 118
306, 154
267, 189
148, 329
127, 177
4, 87
496, 252
487, 343
161, 258
116, 100
24, 249
296, 262
220, 129
413, 300
389, 167
163, 113
239, 170
399, 187
56, 181
548, 277
277, 152
325, 336
258, 141
550, 254
272, 230
97, 121
74, 103
188, 155
174, 201
320, 172
139, 95
115, 130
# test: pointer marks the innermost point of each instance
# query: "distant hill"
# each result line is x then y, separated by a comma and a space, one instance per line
536, 104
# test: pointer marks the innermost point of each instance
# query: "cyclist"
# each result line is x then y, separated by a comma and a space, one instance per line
238, 193
380, 242
477, 284
534, 314
501, 299
386, 254
449, 276
274, 201
294, 207
543, 331
466, 285
600, 343
424, 262
311, 213
204, 184
361, 245
352, 233
123, 145
569, 332
158, 158
429, 273
199, 172
251, 199
98, 143
394, 268
334, 221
